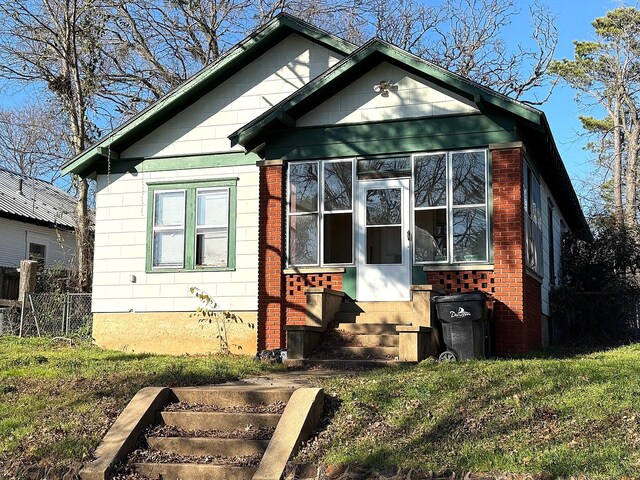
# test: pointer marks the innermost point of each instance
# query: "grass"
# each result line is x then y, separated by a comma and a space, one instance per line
546, 417
549, 417
57, 401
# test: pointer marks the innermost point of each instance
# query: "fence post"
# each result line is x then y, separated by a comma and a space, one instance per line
28, 270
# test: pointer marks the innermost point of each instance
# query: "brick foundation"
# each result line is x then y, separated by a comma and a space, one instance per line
296, 300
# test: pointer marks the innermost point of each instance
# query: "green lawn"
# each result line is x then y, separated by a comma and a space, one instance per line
577, 416
568, 417
57, 401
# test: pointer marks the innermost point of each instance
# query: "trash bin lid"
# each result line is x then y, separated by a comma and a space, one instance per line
461, 297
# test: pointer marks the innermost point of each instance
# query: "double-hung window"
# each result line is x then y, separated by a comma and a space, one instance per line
320, 213
191, 226
451, 220
532, 220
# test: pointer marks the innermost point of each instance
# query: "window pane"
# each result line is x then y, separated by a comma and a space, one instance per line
468, 178
384, 206
384, 245
213, 207
469, 235
338, 238
168, 248
385, 167
169, 209
37, 252
212, 247
338, 178
430, 174
431, 235
303, 185
303, 240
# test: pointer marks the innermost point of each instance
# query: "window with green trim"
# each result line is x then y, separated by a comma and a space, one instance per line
191, 226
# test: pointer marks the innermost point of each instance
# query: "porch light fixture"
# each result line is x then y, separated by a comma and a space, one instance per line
384, 87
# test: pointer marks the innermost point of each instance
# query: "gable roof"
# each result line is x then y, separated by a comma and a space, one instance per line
352, 67
283, 115
35, 201
199, 84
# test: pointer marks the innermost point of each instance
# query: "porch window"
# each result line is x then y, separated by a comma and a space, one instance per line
450, 207
532, 220
192, 226
320, 213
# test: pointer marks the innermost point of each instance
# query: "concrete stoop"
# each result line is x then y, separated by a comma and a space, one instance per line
293, 426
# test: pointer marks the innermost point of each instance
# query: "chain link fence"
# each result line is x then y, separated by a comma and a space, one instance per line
52, 314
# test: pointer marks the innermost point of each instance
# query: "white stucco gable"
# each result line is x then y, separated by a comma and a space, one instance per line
410, 98
204, 126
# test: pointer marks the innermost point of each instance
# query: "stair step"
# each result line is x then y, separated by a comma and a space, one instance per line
395, 318
227, 396
377, 340
349, 364
376, 352
223, 447
219, 420
176, 471
368, 307
368, 328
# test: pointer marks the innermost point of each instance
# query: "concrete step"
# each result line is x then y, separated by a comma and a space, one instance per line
227, 396
213, 447
395, 318
346, 363
368, 328
219, 420
178, 471
369, 307
374, 352
377, 340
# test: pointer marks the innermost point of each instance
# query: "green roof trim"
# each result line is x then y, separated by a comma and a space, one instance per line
199, 84
360, 61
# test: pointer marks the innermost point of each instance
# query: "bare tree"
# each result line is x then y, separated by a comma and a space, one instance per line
57, 44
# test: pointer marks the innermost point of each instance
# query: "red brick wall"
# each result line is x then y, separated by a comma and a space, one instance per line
271, 244
296, 300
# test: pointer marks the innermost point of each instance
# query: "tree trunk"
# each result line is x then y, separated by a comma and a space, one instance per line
617, 162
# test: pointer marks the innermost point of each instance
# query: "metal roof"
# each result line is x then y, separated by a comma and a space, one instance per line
35, 201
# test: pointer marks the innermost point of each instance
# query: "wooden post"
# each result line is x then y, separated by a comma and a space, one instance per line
28, 270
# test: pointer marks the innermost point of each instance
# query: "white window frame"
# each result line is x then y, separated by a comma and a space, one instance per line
205, 227
156, 229
532, 231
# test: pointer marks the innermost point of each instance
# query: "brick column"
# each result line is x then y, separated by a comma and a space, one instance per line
271, 244
514, 329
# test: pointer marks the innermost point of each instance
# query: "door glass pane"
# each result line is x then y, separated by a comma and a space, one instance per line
169, 209
385, 167
213, 207
468, 178
338, 238
338, 180
303, 239
384, 206
212, 247
303, 185
384, 245
469, 235
431, 235
430, 173
168, 248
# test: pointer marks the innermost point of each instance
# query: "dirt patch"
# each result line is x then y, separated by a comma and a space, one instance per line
262, 433
276, 407
157, 456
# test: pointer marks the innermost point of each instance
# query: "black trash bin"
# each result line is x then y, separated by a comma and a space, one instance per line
465, 325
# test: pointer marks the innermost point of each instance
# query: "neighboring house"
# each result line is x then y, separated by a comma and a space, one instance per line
37, 222
298, 160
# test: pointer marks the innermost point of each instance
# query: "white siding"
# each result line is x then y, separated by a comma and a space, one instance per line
204, 126
15, 237
414, 97
557, 244
121, 245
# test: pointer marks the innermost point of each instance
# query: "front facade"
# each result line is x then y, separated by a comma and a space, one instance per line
300, 161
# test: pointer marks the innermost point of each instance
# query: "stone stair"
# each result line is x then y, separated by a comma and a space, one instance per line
208, 433
364, 335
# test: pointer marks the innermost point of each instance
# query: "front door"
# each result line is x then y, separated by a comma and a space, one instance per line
384, 256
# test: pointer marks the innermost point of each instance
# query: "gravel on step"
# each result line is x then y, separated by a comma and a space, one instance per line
251, 433
157, 456
276, 407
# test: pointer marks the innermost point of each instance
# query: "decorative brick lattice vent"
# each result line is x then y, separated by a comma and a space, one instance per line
464, 281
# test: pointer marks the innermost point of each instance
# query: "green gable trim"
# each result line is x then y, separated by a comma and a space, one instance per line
352, 67
201, 83
190, 189
405, 136
186, 162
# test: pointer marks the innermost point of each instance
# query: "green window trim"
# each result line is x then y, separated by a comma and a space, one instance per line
191, 188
